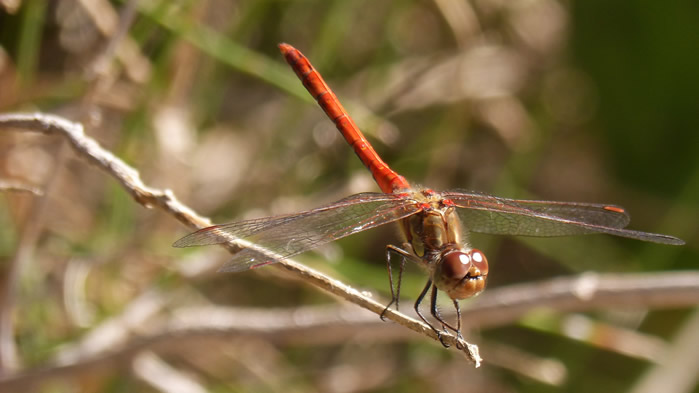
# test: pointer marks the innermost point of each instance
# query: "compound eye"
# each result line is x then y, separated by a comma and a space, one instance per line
479, 261
455, 265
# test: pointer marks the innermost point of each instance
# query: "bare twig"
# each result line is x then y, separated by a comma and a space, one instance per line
129, 178
679, 371
541, 369
323, 324
90, 150
14, 185
589, 290
161, 376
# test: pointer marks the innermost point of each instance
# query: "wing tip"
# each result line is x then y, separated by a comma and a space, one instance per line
674, 241
180, 243
188, 241
203, 237
662, 239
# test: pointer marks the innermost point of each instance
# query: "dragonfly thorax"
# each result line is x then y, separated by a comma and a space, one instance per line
435, 235
431, 230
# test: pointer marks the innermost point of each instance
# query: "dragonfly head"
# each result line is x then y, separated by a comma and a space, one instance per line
461, 274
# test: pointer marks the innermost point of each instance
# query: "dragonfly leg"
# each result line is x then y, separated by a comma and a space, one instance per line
395, 294
419, 300
435, 313
457, 307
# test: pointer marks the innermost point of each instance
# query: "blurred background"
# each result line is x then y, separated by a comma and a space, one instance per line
590, 101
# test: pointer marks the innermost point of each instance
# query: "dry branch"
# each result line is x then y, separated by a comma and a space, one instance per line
129, 178
323, 324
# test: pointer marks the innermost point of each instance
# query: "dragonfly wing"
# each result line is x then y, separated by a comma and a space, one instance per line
271, 239
489, 214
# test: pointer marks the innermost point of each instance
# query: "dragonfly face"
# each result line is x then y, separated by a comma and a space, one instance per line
461, 273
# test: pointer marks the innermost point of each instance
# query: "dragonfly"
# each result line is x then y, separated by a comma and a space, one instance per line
434, 226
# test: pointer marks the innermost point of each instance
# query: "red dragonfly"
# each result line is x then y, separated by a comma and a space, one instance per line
434, 225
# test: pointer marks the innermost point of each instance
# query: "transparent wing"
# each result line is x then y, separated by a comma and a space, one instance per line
271, 239
489, 214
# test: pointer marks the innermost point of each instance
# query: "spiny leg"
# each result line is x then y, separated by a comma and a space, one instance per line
435, 313
395, 295
457, 307
438, 316
419, 300
445, 324
417, 310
